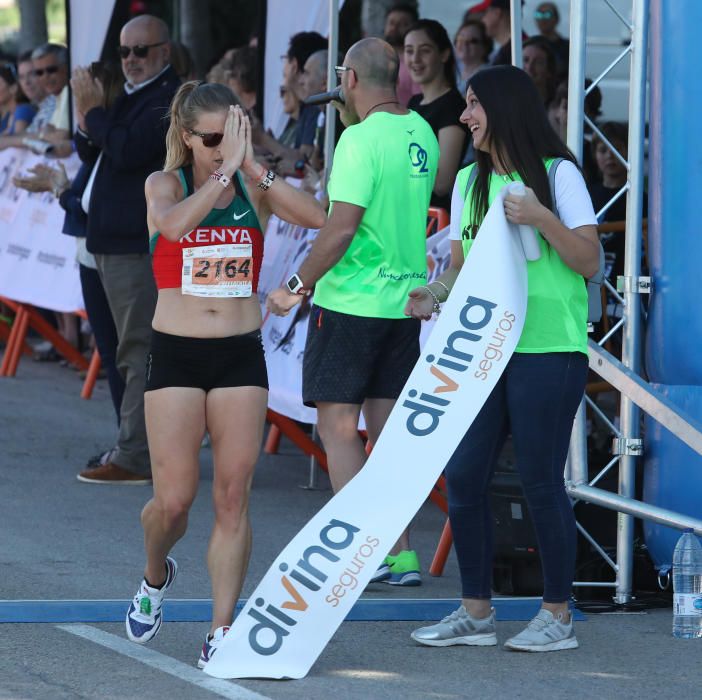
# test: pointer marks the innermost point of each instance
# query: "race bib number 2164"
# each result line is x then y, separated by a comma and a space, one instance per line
218, 271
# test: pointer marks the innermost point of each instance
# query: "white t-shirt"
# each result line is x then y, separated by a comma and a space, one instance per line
572, 200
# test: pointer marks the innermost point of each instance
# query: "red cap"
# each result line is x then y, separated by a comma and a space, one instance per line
480, 7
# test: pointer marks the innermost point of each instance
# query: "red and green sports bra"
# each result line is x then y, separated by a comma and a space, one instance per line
219, 258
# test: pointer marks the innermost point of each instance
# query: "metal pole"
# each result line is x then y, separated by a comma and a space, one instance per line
516, 30
330, 120
576, 466
631, 340
576, 76
645, 511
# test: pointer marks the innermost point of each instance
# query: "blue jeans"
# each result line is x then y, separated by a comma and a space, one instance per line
535, 399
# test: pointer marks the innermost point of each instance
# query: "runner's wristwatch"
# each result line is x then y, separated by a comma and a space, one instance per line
296, 286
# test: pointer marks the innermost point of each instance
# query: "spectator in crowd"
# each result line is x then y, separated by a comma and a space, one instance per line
51, 67
286, 151
300, 48
498, 26
312, 82
540, 63
37, 76
16, 113
612, 178
477, 11
206, 369
291, 107
398, 20
360, 347
543, 382
28, 80
45, 178
558, 116
182, 61
429, 57
546, 17
473, 48
241, 75
130, 138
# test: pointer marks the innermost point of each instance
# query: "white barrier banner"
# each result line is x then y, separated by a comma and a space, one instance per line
314, 582
37, 262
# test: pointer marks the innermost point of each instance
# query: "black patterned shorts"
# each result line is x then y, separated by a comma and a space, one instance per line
352, 358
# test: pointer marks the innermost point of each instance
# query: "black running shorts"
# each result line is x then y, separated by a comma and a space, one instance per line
205, 363
352, 358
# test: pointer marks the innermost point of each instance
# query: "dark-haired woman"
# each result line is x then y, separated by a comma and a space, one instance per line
429, 58
539, 391
206, 370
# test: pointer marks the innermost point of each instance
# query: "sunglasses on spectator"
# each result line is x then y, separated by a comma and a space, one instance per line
209, 140
140, 50
49, 70
543, 14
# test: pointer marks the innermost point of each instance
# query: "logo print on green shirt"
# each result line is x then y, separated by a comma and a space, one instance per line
418, 157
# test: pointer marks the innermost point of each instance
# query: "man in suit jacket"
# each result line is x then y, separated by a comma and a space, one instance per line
130, 138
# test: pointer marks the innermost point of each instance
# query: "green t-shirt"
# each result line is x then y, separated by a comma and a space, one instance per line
387, 165
556, 318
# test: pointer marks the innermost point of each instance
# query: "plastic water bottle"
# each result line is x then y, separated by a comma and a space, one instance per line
530, 244
687, 587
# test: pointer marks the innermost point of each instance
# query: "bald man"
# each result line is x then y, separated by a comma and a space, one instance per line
360, 346
127, 142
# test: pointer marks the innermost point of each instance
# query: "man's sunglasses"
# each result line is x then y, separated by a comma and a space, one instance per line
543, 14
140, 50
49, 70
209, 140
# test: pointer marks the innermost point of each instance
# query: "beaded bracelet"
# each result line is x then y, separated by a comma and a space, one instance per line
437, 304
448, 291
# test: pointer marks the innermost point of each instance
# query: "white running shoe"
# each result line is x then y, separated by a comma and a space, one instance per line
545, 633
144, 615
210, 645
459, 628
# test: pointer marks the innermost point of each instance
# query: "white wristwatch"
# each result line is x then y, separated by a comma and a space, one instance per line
295, 285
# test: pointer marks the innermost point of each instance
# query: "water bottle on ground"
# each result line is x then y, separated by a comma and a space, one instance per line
687, 587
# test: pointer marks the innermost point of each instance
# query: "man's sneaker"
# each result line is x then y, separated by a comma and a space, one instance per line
382, 573
110, 473
144, 615
404, 569
459, 628
545, 633
210, 646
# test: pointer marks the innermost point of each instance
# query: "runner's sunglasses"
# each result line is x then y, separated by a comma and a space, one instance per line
140, 50
209, 140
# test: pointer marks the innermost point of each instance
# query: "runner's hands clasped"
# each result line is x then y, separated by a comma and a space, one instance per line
420, 304
236, 139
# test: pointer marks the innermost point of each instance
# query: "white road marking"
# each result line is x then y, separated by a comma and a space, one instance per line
163, 663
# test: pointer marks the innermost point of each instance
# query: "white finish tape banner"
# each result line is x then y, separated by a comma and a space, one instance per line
314, 582
37, 262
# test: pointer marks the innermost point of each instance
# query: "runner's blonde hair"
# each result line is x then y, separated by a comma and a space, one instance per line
192, 99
